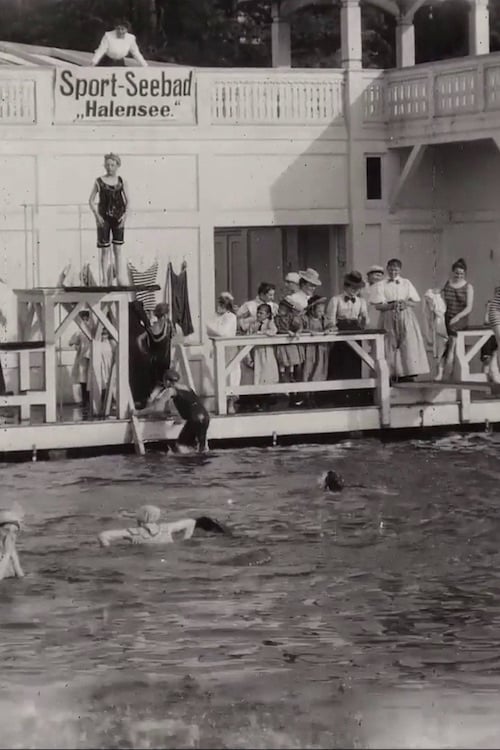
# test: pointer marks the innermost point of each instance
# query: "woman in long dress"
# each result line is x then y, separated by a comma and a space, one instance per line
224, 324
260, 367
458, 295
395, 298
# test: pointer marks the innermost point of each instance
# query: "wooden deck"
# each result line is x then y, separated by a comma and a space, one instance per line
405, 414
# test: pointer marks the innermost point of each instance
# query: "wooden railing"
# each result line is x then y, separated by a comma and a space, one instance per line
295, 97
469, 344
373, 356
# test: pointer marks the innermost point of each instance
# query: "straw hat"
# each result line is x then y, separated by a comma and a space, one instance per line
375, 269
311, 276
292, 276
354, 279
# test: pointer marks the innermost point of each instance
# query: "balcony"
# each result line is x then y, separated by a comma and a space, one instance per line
452, 100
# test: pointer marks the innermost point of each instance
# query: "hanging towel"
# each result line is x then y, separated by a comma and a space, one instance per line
435, 333
177, 286
145, 278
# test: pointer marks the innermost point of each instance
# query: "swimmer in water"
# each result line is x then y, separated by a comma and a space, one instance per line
332, 481
149, 530
10, 525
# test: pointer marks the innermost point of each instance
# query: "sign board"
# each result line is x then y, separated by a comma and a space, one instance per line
128, 95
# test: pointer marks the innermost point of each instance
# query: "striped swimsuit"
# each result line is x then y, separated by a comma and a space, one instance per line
494, 309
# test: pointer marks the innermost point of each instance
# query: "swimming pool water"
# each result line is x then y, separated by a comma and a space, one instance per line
368, 619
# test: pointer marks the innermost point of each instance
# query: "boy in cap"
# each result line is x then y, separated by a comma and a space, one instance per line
10, 524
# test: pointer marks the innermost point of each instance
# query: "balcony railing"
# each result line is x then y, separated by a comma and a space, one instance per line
455, 88
229, 353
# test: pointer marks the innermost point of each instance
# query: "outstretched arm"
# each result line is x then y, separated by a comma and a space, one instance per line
114, 535
136, 53
100, 51
187, 525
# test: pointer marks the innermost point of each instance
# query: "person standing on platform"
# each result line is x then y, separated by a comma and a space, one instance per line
80, 372
348, 312
265, 296
458, 295
116, 45
292, 283
395, 298
109, 203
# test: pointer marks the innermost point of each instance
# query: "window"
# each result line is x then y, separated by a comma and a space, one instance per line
373, 178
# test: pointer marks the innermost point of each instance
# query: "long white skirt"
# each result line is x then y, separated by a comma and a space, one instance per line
404, 343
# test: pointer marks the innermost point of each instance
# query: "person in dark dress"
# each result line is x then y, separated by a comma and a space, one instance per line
139, 371
160, 335
193, 435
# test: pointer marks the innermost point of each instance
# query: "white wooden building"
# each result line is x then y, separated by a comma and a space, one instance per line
254, 172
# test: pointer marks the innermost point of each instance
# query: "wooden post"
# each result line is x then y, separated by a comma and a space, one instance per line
220, 375
122, 381
383, 390
50, 358
462, 369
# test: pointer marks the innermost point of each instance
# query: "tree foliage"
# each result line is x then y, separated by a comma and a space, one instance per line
225, 33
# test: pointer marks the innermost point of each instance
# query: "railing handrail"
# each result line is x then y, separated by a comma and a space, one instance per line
301, 338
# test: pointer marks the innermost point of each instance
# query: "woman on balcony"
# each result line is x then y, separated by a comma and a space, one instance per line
395, 298
115, 46
224, 325
458, 295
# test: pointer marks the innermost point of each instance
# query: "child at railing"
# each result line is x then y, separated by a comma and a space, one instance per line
290, 357
316, 355
261, 362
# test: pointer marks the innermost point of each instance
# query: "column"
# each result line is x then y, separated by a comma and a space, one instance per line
479, 28
350, 29
281, 45
405, 44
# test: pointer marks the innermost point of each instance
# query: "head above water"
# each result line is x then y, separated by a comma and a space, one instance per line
333, 482
148, 514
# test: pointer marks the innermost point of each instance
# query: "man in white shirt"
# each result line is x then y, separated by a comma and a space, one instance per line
115, 46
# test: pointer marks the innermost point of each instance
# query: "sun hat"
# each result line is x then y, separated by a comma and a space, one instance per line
290, 303
311, 276
292, 276
375, 269
316, 299
354, 279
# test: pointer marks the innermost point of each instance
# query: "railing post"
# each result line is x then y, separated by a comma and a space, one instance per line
220, 375
383, 390
462, 369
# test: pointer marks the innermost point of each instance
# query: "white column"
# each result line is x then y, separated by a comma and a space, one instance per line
479, 28
281, 45
350, 27
405, 44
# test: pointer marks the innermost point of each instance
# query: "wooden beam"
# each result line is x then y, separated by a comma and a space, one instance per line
409, 168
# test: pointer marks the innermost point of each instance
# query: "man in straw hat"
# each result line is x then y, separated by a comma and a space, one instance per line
309, 281
374, 275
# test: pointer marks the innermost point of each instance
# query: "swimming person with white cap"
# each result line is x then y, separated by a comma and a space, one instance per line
149, 530
10, 524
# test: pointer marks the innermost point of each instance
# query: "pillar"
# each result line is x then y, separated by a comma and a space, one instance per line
405, 44
350, 27
479, 28
281, 45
